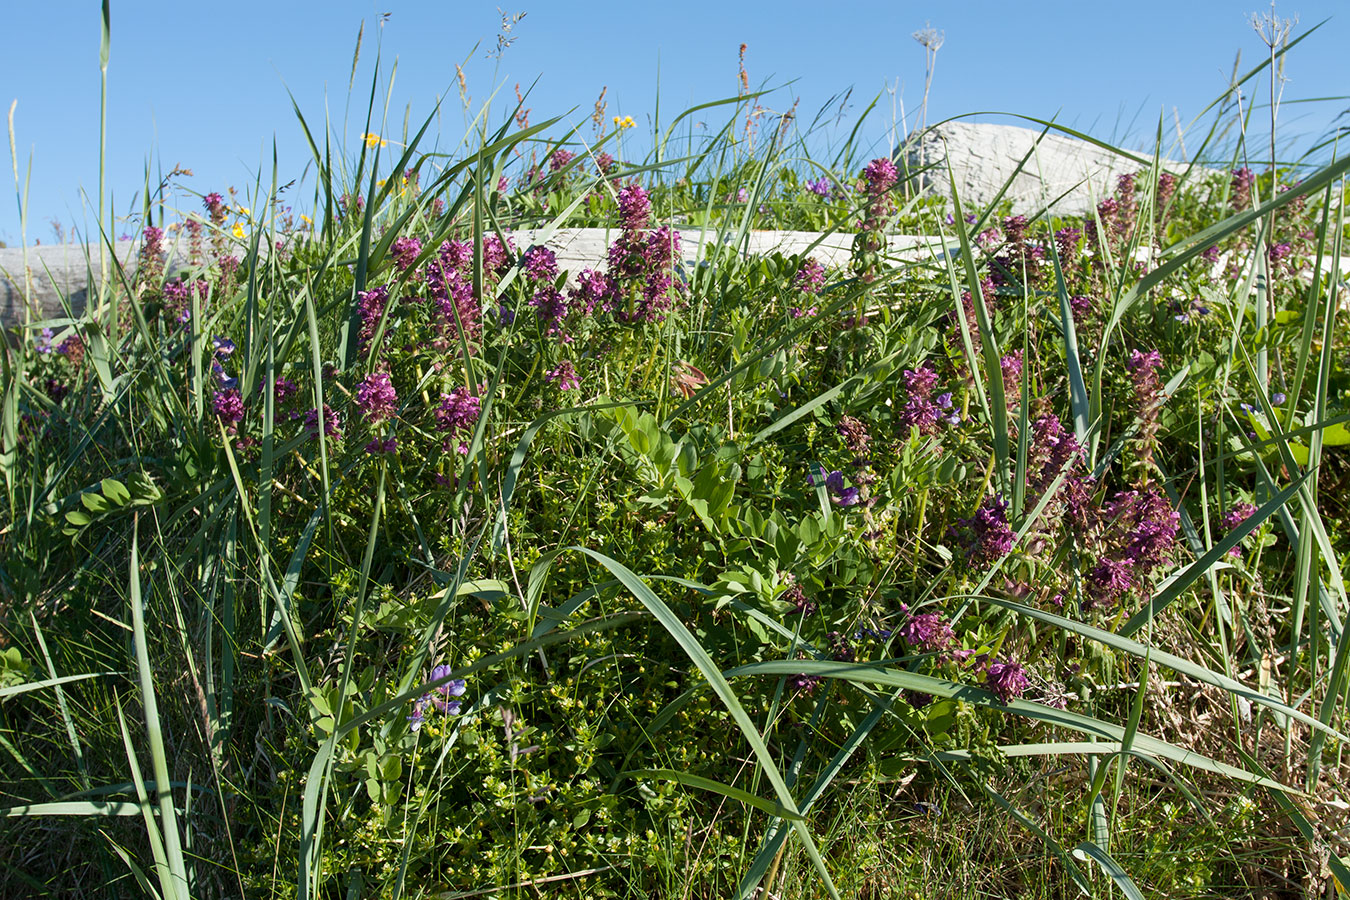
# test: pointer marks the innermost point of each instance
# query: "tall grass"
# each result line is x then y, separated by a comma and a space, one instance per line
609, 581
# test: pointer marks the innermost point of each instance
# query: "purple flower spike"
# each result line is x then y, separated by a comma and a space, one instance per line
928, 632
376, 397
229, 406
1006, 680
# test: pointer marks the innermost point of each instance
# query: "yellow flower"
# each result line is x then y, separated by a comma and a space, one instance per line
244, 210
373, 140
306, 219
238, 230
625, 122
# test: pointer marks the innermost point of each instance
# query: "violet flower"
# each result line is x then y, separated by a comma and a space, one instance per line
1006, 680
376, 397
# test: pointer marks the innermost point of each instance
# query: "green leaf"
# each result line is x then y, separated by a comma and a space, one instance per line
115, 491
716, 787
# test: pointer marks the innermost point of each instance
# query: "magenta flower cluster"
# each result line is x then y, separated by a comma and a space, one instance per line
928, 632
1006, 680
457, 415
564, 375
921, 409
332, 425
988, 537
1137, 531
228, 406
376, 397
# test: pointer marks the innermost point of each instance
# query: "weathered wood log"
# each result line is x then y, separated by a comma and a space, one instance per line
54, 281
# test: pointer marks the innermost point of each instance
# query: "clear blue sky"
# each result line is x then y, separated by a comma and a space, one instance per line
204, 85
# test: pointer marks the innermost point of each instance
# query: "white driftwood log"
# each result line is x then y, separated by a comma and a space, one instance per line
58, 277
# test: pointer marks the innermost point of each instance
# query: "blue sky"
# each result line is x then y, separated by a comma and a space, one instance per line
204, 85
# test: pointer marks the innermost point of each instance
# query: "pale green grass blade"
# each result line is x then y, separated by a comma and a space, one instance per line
1088, 850
16, 689
690, 645
992, 401
173, 849
1175, 663
75, 808
893, 678
716, 787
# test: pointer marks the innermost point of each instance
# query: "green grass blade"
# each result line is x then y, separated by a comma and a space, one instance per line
1088, 850
690, 645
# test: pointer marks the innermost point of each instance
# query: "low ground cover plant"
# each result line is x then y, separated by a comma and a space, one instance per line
377, 555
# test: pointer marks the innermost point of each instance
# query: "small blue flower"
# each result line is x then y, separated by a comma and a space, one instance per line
847, 497
226, 381
1276, 399
224, 346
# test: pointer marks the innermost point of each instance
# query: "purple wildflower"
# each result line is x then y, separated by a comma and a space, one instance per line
541, 264
43, 343
880, 176
821, 187
1012, 375
593, 291
406, 251
72, 348
370, 306
990, 538
443, 696
457, 415
496, 255
284, 390
1066, 243
228, 406
565, 376
1108, 582
376, 397
810, 276
841, 495
1240, 196
331, 424
1006, 680
928, 631
216, 208
559, 159
919, 410
802, 682
635, 209
1237, 514
795, 597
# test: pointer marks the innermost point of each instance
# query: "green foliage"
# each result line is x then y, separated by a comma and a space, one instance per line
440, 569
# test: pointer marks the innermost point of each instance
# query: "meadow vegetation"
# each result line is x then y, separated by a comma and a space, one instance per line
376, 556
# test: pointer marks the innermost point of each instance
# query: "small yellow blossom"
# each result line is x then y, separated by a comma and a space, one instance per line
373, 140
243, 210
625, 122
238, 230
306, 220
